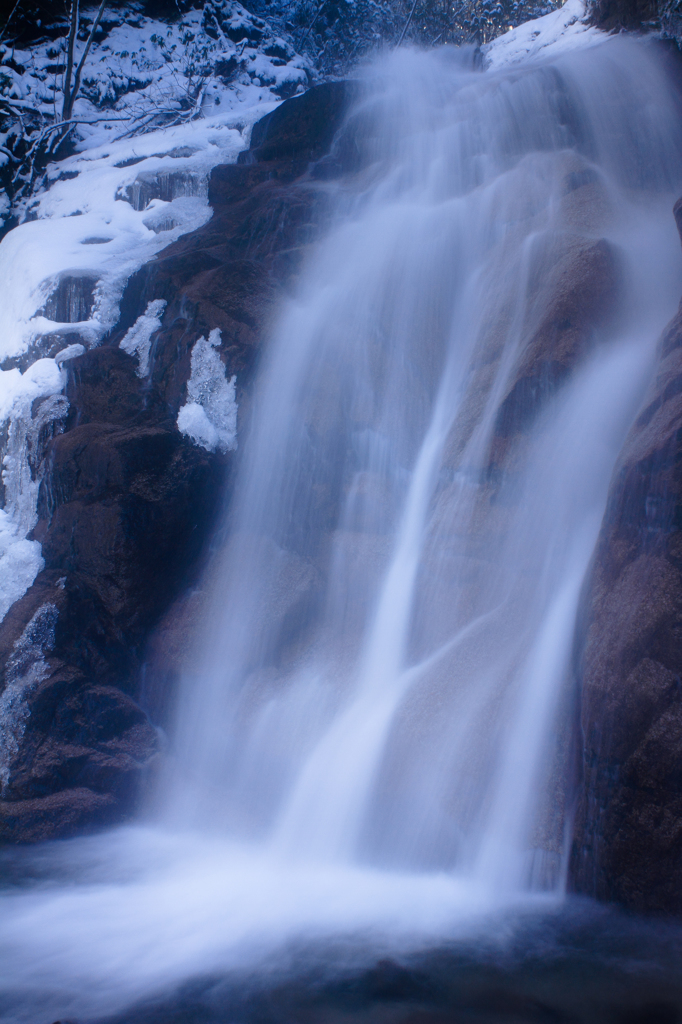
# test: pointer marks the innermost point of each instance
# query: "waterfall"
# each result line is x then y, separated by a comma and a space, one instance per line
386, 670
373, 734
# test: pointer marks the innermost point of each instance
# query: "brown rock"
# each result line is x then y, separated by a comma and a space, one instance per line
127, 504
628, 836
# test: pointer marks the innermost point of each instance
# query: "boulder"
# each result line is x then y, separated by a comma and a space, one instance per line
628, 832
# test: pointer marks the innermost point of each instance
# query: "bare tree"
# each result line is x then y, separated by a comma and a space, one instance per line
71, 88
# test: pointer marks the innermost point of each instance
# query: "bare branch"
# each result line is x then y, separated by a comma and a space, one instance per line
73, 28
312, 24
79, 69
407, 23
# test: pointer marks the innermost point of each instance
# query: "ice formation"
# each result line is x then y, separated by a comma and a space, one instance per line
25, 668
138, 339
27, 418
209, 416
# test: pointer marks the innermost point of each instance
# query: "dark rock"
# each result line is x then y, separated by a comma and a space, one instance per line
67, 812
628, 837
127, 504
72, 299
303, 128
613, 15
573, 300
573, 292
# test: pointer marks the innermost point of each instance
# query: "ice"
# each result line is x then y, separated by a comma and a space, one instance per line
20, 563
138, 339
35, 255
25, 668
210, 415
70, 352
21, 559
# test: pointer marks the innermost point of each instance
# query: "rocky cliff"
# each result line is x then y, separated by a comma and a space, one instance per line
127, 503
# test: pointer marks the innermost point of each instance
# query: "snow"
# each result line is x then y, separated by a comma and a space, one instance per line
160, 106
70, 352
138, 339
209, 417
547, 37
95, 204
147, 70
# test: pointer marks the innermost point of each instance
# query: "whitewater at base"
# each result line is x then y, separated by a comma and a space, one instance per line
374, 731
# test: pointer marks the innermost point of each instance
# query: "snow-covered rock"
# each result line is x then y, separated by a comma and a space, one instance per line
557, 32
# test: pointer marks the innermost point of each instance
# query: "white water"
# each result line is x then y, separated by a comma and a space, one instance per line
373, 730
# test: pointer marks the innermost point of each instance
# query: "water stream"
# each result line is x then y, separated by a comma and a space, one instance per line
373, 733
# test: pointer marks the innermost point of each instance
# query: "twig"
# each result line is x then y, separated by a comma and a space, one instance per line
83, 120
407, 23
312, 23
6, 25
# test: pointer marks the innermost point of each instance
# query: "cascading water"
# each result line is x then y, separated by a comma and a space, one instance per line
374, 733
427, 469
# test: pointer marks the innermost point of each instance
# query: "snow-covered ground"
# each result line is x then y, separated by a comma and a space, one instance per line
543, 39
161, 106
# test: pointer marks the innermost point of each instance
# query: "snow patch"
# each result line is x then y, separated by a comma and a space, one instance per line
138, 339
553, 34
209, 416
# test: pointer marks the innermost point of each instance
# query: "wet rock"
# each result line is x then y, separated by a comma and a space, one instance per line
628, 838
583, 964
68, 812
71, 300
573, 289
303, 129
166, 185
571, 302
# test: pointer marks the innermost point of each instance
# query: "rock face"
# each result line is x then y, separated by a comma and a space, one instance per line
628, 837
127, 503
